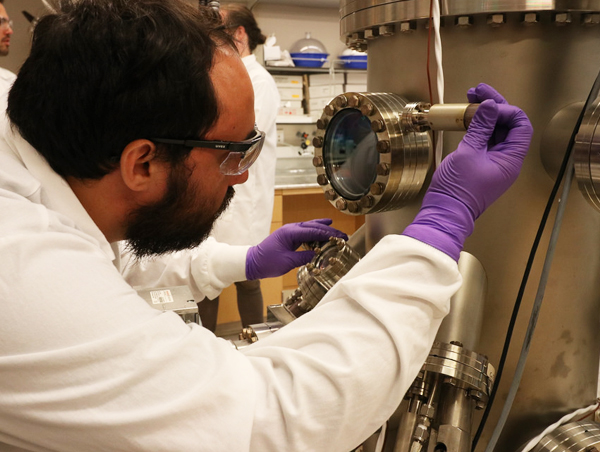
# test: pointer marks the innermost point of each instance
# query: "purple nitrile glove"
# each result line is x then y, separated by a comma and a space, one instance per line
276, 255
485, 164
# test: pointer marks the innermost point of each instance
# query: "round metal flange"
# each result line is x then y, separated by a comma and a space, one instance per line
471, 370
580, 436
586, 154
366, 161
330, 264
363, 20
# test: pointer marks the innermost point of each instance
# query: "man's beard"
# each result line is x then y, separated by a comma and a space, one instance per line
181, 220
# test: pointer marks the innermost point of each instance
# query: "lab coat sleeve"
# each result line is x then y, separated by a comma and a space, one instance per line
87, 365
206, 269
339, 372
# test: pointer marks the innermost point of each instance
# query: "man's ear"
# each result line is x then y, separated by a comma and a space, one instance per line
140, 169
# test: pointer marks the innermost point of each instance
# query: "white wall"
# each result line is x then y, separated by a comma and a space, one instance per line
288, 22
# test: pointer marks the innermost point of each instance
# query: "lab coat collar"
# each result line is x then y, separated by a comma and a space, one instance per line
57, 194
249, 60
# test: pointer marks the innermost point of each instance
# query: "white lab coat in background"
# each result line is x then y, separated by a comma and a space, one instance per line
247, 220
88, 365
7, 78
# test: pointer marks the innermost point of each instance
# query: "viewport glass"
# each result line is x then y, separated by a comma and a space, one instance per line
350, 154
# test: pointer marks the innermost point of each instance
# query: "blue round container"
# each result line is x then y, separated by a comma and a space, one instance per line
309, 59
354, 61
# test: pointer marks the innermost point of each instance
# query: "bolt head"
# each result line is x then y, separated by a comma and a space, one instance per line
329, 110
495, 20
464, 21
383, 146
341, 204
386, 30
322, 179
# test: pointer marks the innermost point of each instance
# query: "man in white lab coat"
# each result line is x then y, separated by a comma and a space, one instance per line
252, 205
109, 89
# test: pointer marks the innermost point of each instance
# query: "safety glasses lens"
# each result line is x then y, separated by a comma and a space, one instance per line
238, 162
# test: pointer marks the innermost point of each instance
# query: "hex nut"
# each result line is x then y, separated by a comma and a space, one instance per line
377, 125
383, 146
330, 195
386, 30
322, 123
367, 109
407, 27
463, 21
367, 201
562, 18
353, 207
590, 19
530, 18
372, 33
341, 204
377, 188
353, 101
341, 101
495, 20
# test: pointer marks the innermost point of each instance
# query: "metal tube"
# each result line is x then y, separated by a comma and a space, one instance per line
463, 323
451, 116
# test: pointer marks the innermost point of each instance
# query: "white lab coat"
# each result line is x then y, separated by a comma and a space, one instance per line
247, 220
88, 365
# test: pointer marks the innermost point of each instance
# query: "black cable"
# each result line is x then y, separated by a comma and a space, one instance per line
592, 95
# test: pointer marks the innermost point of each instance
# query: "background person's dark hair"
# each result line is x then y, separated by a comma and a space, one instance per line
239, 15
103, 73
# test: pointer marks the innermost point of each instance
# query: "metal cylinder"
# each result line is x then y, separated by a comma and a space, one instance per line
451, 117
542, 66
463, 323
582, 436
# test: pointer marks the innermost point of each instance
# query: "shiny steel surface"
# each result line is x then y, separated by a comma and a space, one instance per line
330, 264
542, 68
404, 157
463, 323
586, 153
472, 370
582, 436
359, 15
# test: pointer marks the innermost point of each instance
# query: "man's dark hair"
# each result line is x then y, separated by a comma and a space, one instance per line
240, 16
103, 73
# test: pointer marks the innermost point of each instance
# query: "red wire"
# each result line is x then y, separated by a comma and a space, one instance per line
589, 414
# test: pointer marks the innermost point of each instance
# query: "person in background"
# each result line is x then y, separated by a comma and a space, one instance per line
6, 77
247, 220
113, 122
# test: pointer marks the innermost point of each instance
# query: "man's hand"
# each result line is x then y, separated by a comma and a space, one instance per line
276, 255
485, 164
